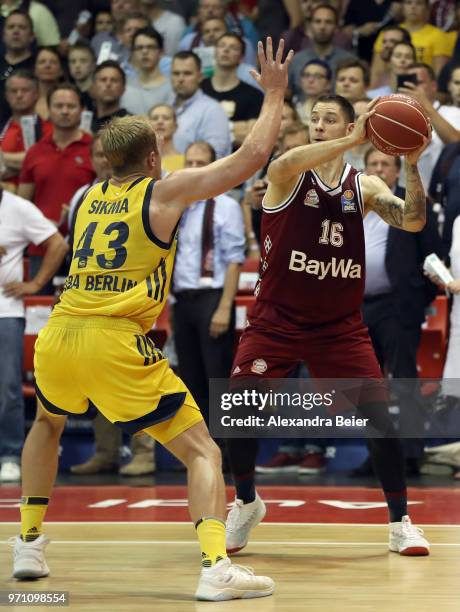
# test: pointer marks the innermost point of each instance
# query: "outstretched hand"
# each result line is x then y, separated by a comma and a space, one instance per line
273, 75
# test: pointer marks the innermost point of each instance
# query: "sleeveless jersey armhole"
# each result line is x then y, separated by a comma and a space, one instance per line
74, 216
146, 220
359, 192
287, 201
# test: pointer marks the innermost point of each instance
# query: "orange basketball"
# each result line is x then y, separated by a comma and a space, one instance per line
398, 125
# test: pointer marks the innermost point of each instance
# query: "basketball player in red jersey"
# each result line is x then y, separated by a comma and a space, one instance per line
310, 292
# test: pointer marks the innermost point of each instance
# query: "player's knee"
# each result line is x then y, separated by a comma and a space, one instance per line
213, 453
54, 424
208, 450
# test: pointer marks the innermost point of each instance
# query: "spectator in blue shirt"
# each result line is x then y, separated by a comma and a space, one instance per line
199, 117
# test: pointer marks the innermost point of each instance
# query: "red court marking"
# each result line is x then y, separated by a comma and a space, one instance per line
284, 504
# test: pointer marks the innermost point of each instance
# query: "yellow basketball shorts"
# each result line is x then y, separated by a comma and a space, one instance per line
109, 363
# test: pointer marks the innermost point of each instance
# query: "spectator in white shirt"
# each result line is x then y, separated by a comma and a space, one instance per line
20, 224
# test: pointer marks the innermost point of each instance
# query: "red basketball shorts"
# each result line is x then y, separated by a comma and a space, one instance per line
272, 345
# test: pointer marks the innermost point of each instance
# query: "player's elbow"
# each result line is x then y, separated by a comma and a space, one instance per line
279, 171
56, 244
61, 245
414, 226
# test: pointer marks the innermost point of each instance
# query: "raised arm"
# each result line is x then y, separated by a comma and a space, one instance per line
408, 214
300, 159
172, 195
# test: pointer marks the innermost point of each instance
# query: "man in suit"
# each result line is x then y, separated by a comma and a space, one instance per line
396, 292
210, 251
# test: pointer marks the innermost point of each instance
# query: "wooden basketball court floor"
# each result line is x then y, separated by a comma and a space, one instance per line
132, 549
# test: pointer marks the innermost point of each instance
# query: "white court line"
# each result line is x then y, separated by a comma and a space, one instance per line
264, 524
254, 543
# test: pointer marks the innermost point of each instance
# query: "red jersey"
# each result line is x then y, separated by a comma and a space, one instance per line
312, 250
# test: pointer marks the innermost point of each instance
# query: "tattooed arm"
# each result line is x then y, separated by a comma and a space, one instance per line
415, 200
408, 214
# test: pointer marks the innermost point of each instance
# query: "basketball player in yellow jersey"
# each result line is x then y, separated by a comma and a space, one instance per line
94, 349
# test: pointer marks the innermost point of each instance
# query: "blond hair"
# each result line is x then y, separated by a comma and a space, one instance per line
127, 141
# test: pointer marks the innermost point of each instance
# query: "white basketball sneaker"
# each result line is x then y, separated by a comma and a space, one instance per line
29, 558
240, 520
407, 539
225, 581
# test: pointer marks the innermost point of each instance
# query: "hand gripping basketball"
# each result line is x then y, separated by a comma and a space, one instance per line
399, 125
359, 133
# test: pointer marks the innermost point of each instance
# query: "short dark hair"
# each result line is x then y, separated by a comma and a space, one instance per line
150, 32
326, 6
184, 55
111, 64
345, 106
351, 62
237, 37
52, 50
396, 28
406, 44
82, 46
24, 14
205, 145
373, 150
427, 67
323, 64
22, 73
65, 86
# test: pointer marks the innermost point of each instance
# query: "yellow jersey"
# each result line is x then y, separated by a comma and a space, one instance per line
119, 267
429, 42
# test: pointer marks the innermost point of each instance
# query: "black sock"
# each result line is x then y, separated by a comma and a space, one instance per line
397, 505
388, 459
387, 456
245, 487
242, 455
